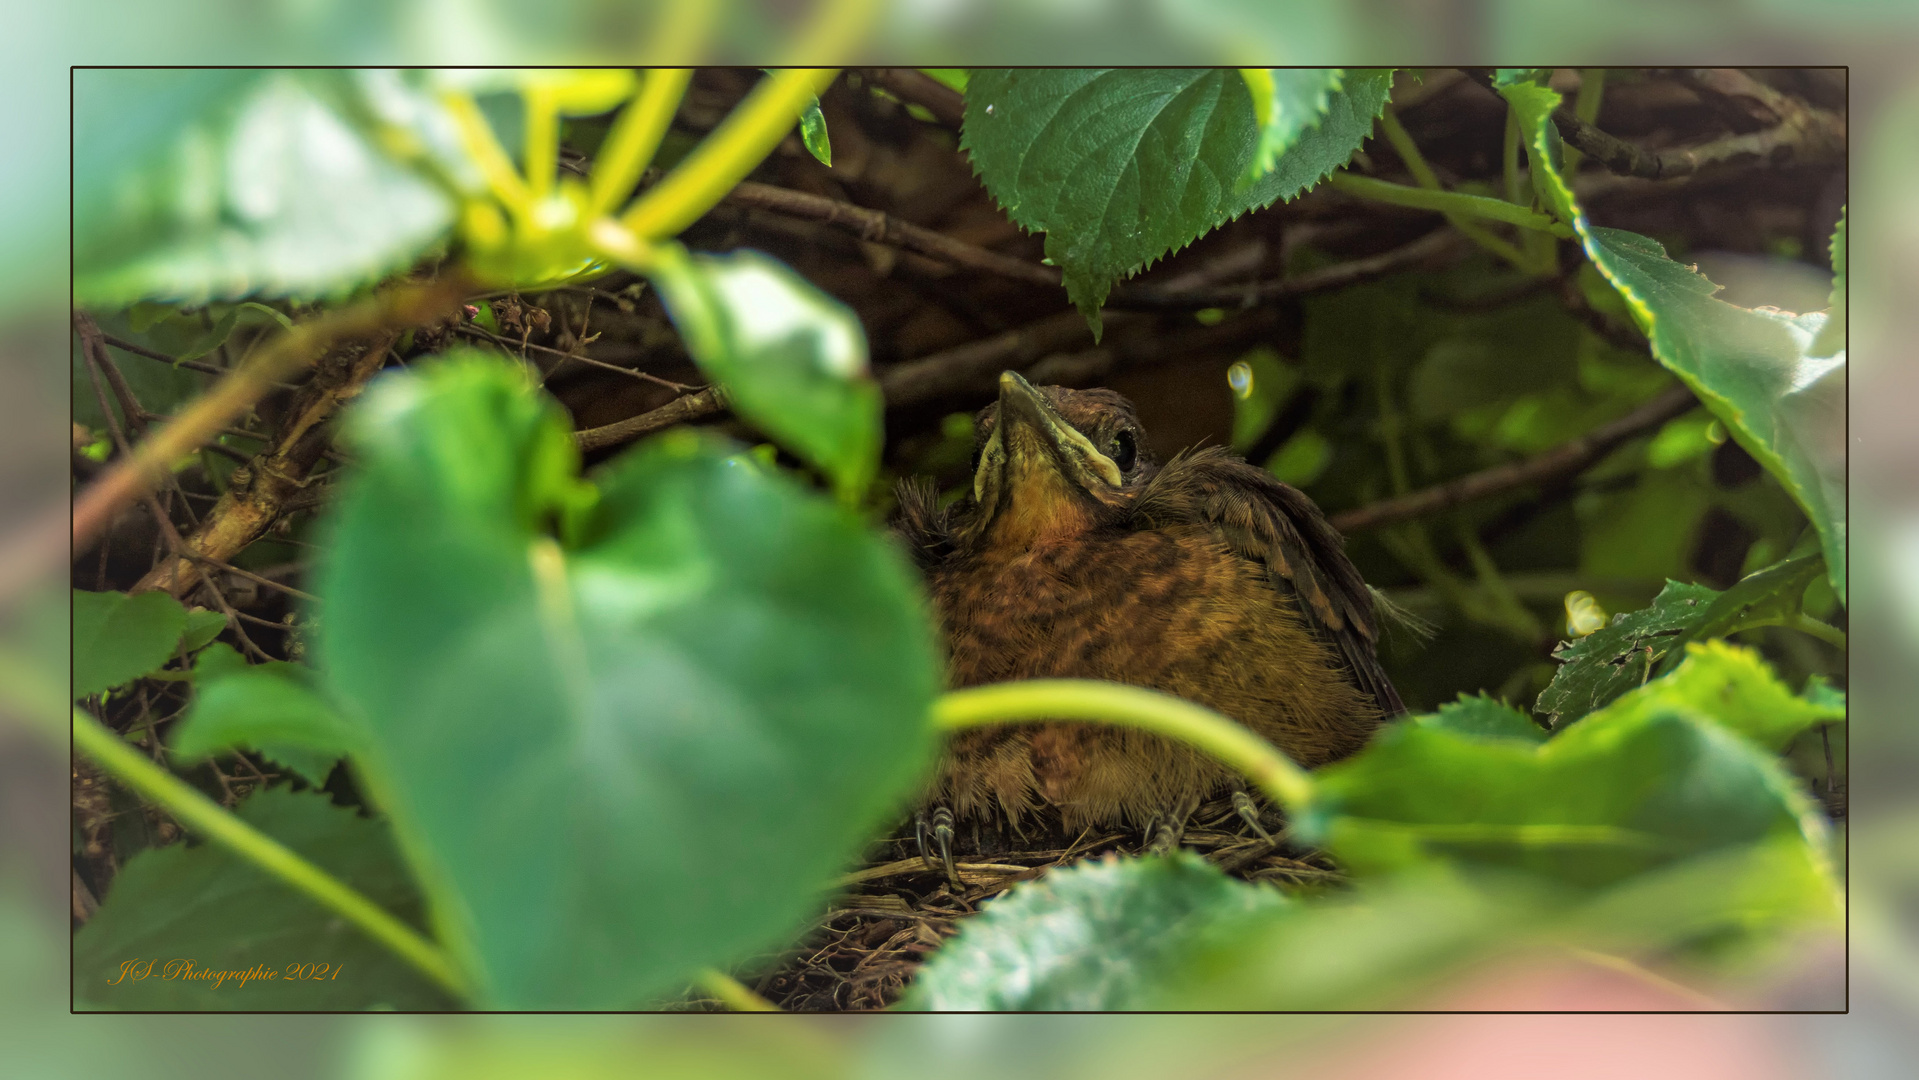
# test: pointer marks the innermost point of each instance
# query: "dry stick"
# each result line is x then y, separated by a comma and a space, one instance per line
406, 305
1568, 457
946, 104
703, 403
1430, 248
881, 228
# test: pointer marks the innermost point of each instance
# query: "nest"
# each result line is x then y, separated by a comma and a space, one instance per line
897, 910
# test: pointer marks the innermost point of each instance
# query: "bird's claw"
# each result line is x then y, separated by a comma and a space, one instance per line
1243, 806
940, 824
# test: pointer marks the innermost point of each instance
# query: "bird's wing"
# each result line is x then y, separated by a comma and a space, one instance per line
1262, 519
920, 523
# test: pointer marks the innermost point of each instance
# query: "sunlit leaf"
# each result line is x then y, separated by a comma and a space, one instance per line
205, 906
792, 359
1734, 687
1757, 369
198, 185
1120, 167
1286, 102
609, 716
118, 638
813, 133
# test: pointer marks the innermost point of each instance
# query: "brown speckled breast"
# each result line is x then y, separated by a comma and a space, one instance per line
1170, 609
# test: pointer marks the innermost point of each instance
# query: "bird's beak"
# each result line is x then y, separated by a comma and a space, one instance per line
1035, 452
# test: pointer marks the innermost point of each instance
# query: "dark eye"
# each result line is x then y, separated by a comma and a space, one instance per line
1125, 451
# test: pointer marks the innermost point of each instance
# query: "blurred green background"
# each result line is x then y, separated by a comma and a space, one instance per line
1877, 1039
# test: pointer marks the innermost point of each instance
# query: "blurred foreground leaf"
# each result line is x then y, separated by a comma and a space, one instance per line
118, 638
1832, 336
1480, 716
1734, 687
792, 359
1094, 936
1122, 166
219, 184
630, 731
203, 904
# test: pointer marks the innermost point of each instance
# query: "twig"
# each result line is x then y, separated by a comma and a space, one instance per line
877, 227
406, 305
190, 365
1567, 457
916, 382
484, 334
1804, 135
1432, 247
946, 104
701, 403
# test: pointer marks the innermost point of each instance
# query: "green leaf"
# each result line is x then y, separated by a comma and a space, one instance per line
1734, 687
1619, 657
602, 749
1121, 167
1647, 782
223, 329
1765, 597
1286, 102
202, 627
1480, 716
792, 359
217, 184
265, 707
1092, 936
118, 638
204, 905
1831, 338
813, 133
1757, 369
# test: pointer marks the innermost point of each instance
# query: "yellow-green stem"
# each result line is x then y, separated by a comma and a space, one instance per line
835, 32
492, 159
1423, 173
1130, 706
636, 135
202, 815
733, 993
1448, 202
723, 159
542, 145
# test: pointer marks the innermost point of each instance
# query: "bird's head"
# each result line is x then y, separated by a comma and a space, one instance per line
1051, 463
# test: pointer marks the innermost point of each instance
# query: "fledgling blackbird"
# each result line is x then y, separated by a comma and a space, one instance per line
1076, 555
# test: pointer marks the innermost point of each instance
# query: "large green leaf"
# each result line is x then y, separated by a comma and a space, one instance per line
1757, 369
632, 751
1734, 687
1121, 166
1095, 936
1286, 102
118, 638
265, 707
202, 905
211, 184
1657, 777
792, 359
1765, 597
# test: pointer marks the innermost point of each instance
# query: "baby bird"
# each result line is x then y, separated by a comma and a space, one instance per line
1076, 555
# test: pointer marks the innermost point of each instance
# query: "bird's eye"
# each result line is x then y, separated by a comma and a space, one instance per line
1125, 451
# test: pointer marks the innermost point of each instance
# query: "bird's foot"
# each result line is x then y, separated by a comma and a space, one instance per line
1165, 829
1249, 813
939, 823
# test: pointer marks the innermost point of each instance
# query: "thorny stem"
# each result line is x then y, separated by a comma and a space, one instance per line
203, 815
1130, 706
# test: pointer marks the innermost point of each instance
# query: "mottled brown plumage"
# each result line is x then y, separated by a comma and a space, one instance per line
1078, 556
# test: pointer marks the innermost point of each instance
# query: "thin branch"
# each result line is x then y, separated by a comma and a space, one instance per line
881, 228
1434, 247
484, 334
1803, 136
697, 405
1566, 458
407, 305
947, 105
